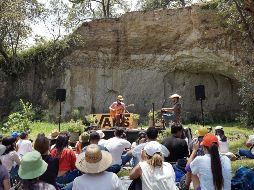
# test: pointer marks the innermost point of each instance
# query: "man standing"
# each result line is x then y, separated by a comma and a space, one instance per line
117, 110
173, 113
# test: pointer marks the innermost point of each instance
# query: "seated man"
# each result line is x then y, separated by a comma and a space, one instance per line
116, 146
249, 143
172, 114
177, 146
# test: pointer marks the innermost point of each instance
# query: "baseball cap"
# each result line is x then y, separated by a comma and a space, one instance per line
209, 139
153, 147
218, 127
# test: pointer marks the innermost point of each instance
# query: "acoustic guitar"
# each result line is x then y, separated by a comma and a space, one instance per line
119, 111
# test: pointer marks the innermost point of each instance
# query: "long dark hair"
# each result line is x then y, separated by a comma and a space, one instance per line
216, 167
9, 142
61, 143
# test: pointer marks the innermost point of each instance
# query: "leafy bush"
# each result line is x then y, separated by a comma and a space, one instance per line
76, 113
91, 118
75, 126
164, 134
135, 116
21, 120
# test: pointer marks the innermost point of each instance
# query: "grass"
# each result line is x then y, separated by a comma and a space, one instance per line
236, 134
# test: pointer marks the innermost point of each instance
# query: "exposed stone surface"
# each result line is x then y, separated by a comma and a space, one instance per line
146, 56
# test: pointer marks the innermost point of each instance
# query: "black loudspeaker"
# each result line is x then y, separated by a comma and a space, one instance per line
60, 94
200, 92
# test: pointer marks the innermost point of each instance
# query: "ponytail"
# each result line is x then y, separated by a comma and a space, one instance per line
216, 167
155, 160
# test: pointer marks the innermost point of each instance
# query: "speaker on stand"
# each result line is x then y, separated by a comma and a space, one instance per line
200, 96
60, 97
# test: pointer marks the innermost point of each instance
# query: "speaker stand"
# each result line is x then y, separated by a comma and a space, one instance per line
60, 115
202, 112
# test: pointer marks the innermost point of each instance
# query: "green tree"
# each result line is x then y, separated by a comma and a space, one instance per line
83, 10
16, 17
239, 17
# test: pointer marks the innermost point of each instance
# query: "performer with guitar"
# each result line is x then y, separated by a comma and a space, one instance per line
117, 110
172, 114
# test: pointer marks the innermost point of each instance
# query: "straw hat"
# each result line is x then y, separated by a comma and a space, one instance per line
94, 160
32, 166
54, 134
2, 149
120, 97
102, 135
202, 131
84, 137
175, 96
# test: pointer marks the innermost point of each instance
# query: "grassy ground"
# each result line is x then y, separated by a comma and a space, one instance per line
236, 135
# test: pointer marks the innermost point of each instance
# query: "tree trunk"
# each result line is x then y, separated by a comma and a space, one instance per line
245, 23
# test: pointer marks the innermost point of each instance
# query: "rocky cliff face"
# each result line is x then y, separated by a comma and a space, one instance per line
147, 56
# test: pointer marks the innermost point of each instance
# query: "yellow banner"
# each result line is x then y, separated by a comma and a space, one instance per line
104, 121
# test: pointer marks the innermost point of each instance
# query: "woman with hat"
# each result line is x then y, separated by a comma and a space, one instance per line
93, 164
154, 172
31, 168
4, 175
211, 171
82, 142
173, 113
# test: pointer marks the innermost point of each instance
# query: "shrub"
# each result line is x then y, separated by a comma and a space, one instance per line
21, 120
75, 126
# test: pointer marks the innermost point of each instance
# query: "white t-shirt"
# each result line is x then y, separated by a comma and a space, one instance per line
223, 146
136, 152
102, 142
8, 160
116, 146
24, 146
201, 166
101, 181
157, 178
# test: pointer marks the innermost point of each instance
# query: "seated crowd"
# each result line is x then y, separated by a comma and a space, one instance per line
175, 163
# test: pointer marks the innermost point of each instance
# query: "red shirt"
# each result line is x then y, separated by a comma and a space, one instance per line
67, 159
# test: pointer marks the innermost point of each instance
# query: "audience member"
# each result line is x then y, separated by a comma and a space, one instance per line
93, 164
200, 133
82, 142
116, 146
176, 145
141, 139
24, 145
154, 172
250, 144
211, 171
94, 138
67, 159
152, 134
4, 175
31, 168
52, 137
42, 145
10, 158
102, 141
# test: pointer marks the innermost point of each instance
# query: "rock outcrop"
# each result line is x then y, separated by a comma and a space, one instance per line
147, 56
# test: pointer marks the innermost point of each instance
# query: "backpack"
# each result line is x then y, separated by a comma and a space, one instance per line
243, 179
